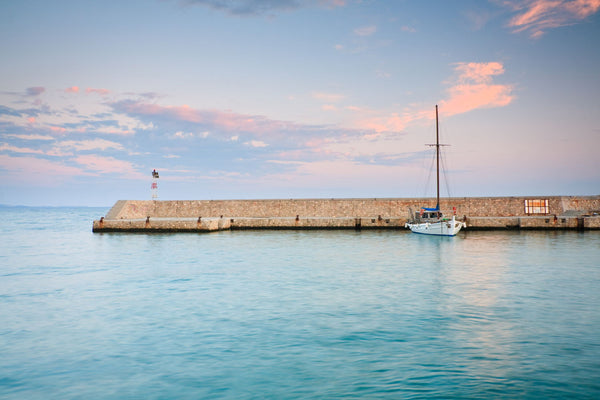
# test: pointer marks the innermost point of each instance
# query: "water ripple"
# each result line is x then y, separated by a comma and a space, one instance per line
295, 315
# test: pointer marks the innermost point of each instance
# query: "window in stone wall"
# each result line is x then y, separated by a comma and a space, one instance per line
536, 206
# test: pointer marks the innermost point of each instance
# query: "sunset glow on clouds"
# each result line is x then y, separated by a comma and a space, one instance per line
35, 171
538, 16
107, 165
474, 88
276, 109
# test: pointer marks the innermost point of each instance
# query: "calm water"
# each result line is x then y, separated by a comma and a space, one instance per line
293, 314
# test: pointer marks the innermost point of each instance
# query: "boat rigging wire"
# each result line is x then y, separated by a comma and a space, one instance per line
445, 172
431, 168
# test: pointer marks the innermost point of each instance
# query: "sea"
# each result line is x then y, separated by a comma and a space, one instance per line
294, 314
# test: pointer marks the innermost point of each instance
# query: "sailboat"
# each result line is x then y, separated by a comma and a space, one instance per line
430, 221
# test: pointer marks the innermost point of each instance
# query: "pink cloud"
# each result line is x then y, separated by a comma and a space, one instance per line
225, 120
31, 170
101, 92
108, 165
317, 143
14, 149
58, 129
72, 89
479, 72
116, 131
465, 98
86, 145
474, 88
28, 136
537, 16
386, 123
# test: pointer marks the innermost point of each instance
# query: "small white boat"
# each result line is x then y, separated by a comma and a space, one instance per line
430, 221
436, 226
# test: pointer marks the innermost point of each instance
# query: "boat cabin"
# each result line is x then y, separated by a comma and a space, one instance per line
427, 215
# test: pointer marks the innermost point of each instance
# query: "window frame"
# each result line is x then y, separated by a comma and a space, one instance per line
537, 206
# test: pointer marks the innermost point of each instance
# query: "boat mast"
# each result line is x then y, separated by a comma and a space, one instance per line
437, 157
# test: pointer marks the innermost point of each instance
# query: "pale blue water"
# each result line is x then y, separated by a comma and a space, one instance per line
294, 314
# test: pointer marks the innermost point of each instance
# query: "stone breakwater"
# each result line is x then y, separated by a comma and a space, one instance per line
539, 212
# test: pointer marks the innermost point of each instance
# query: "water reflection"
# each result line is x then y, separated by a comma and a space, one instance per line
505, 310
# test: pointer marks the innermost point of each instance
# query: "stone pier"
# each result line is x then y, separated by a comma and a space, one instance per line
534, 212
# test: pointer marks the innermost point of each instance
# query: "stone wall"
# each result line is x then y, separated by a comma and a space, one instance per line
161, 225
348, 208
588, 203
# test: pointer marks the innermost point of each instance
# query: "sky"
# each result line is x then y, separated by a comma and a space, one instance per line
257, 99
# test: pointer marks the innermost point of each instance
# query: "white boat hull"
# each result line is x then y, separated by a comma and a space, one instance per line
439, 228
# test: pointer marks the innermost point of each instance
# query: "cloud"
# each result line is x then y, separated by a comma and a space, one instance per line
35, 91
373, 121
365, 30
262, 7
14, 149
538, 16
183, 135
328, 97
256, 143
9, 111
231, 141
249, 137
108, 165
225, 122
228, 130
86, 145
101, 92
28, 137
57, 129
189, 135
473, 88
478, 72
39, 171
60, 149
60, 116
75, 89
